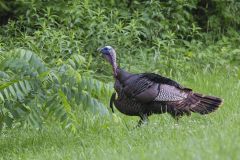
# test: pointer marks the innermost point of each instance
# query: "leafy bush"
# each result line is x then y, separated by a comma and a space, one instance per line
30, 91
165, 29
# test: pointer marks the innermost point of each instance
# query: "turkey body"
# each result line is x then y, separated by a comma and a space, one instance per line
148, 93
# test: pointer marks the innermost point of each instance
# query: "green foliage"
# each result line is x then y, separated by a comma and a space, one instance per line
169, 33
11, 10
218, 17
31, 91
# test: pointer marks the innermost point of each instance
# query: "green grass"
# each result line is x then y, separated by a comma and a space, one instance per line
215, 136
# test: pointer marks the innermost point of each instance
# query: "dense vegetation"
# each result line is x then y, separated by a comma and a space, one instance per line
51, 73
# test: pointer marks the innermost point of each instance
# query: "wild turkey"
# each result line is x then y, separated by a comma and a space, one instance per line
148, 93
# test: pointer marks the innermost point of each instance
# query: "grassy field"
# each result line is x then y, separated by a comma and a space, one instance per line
215, 136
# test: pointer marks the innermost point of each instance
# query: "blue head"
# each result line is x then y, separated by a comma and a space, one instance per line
106, 50
110, 55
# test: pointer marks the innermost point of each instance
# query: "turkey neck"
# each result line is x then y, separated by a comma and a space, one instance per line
122, 75
114, 68
114, 65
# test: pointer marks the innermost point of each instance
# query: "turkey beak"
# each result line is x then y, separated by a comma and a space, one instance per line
101, 51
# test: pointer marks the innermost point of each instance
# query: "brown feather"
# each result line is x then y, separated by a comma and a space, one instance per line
195, 102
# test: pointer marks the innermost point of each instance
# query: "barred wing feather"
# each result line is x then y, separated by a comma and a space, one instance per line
150, 87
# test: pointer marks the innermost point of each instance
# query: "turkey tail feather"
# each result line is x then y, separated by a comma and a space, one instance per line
195, 102
205, 104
